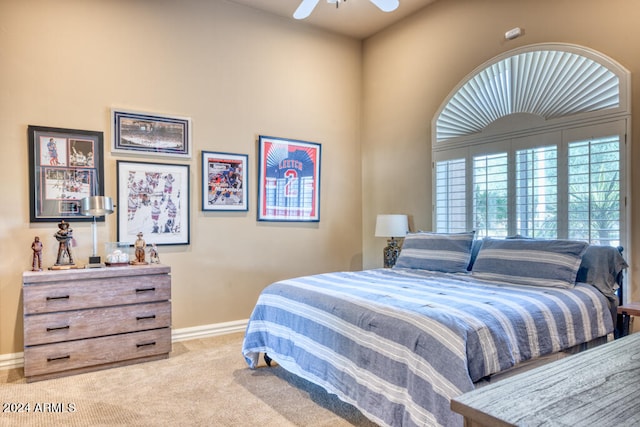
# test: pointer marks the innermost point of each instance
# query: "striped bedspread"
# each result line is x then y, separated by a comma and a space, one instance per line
400, 343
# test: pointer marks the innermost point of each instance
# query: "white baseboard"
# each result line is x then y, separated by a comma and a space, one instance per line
16, 360
12, 360
206, 331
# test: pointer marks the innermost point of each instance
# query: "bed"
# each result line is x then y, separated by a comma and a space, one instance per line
453, 312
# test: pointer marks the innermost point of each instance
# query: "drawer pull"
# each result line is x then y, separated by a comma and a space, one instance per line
146, 344
57, 328
146, 289
53, 359
153, 316
57, 298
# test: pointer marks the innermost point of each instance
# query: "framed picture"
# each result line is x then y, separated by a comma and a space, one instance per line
153, 199
65, 166
150, 134
289, 180
224, 182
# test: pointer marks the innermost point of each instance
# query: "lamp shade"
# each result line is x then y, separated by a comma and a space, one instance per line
392, 226
96, 206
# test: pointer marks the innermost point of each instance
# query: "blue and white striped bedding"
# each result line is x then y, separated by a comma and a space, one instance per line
400, 343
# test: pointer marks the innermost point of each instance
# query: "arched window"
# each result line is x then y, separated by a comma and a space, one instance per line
533, 142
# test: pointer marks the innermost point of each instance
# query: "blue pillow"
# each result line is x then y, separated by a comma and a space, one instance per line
552, 263
600, 267
449, 253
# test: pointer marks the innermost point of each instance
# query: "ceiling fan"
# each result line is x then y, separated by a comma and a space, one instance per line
307, 6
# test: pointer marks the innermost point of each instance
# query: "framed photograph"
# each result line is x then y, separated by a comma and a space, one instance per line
153, 199
224, 182
65, 166
289, 180
150, 134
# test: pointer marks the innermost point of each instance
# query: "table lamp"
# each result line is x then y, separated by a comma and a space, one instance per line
391, 226
95, 206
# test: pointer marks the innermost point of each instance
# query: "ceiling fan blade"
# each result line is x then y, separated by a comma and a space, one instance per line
305, 9
386, 5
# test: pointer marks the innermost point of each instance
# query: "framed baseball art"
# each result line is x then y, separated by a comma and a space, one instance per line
153, 199
224, 182
150, 134
65, 166
289, 180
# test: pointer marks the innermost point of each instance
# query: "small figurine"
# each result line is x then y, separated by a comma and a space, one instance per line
140, 246
64, 236
153, 254
36, 246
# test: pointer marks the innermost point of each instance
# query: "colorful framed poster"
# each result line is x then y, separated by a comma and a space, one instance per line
289, 180
153, 199
150, 134
224, 182
65, 166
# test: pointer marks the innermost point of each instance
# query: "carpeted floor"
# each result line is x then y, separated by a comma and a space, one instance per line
204, 382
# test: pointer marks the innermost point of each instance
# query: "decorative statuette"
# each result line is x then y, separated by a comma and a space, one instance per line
140, 246
64, 235
36, 246
154, 258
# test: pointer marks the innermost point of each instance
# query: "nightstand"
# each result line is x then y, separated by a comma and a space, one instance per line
624, 316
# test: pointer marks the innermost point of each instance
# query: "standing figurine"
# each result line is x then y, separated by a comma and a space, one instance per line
64, 236
36, 247
140, 245
153, 254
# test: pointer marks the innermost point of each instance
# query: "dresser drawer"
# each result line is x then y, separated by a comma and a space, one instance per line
60, 296
95, 322
51, 358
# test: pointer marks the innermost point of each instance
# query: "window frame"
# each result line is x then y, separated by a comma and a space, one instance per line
473, 119
510, 146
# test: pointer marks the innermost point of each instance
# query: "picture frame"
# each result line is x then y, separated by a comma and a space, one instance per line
150, 134
153, 199
224, 181
288, 180
65, 166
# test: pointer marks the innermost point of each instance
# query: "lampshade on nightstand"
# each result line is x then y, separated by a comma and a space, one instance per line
95, 206
391, 226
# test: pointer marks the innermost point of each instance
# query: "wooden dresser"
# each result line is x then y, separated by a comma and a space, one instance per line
82, 320
598, 387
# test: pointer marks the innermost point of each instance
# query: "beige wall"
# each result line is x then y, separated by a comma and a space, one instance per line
237, 73
411, 68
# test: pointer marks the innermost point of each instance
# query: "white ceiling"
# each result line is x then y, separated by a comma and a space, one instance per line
355, 18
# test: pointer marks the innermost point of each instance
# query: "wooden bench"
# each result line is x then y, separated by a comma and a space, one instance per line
598, 387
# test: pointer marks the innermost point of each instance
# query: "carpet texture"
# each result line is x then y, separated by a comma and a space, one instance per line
204, 382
